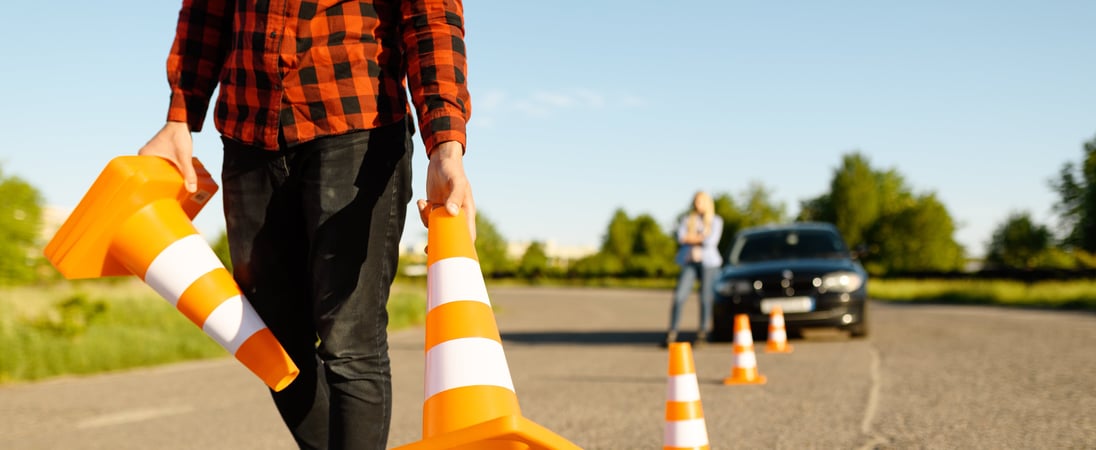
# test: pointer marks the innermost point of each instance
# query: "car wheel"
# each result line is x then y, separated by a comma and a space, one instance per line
721, 333
858, 330
760, 332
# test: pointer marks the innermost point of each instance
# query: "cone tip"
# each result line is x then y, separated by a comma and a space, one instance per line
742, 322
681, 358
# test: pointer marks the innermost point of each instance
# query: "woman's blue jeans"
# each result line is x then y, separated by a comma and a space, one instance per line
314, 233
689, 273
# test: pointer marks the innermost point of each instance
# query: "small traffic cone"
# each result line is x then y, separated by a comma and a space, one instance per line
685, 428
778, 335
470, 399
744, 370
136, 220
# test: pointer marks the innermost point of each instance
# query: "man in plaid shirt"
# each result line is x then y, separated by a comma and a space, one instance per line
316, 175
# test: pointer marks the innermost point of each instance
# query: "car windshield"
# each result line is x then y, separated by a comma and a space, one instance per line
787, 244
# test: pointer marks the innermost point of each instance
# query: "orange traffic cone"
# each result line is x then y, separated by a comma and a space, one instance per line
778, 335
685, 427
470, 399
744, 370
136, 220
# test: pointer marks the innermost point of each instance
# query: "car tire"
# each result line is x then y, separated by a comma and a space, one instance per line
860, 329
760, 332
721, 334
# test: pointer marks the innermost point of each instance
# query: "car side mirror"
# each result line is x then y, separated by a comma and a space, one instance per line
860, 251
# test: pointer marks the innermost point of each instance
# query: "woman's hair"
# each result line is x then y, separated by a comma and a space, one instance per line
703, 210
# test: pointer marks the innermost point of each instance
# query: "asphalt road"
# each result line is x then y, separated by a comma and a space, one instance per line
586, 365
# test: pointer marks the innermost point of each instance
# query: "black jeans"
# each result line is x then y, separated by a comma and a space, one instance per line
314, 233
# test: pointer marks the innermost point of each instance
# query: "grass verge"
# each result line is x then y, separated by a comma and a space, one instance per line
1076, 295
105, 325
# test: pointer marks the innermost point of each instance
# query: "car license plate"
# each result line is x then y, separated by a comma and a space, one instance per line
788, 305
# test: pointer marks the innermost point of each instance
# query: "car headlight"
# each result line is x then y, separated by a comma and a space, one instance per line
841, 282
731, 287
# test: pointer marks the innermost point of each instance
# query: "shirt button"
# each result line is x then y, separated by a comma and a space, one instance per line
273, 34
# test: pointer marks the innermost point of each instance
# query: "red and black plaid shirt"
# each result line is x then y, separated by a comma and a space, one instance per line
319, 67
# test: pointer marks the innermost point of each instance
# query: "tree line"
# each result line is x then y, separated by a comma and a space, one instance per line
893, 228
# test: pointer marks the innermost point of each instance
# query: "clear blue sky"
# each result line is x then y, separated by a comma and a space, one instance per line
582, 107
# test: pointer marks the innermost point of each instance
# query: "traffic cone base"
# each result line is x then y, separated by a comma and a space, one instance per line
745, 379
470, 399
778, 334
512, 432
79, 249
136, 220
778, 348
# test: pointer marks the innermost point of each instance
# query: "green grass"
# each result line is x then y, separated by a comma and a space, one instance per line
605, 282
1080, 294
106, 325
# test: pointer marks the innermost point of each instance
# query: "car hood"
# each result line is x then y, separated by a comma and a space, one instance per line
796, 266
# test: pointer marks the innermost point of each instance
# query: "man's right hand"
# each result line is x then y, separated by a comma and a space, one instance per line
173, 142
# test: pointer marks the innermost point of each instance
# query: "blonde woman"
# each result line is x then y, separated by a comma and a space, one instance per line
698, 236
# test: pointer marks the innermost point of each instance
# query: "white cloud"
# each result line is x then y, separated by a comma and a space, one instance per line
554, 99
591, 98
531, 108
632, 101
547, 103
491, 100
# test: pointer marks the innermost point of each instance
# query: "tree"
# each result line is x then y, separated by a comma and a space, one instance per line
733, 221
1076, 207
1019, 242
534, 263
877, 209
630, 247
599, 264
20, 225
917, 237
757, 208
491, 248
817, 209
619, 239
854, 196
652, 252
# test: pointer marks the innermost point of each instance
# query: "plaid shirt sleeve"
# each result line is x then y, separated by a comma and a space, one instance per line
202, 40
433, 38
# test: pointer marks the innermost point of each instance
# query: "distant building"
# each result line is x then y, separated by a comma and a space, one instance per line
558, 255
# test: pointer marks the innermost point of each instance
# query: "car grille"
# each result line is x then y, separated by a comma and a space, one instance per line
777, 286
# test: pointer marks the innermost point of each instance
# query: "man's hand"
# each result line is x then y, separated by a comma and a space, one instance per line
173, 142
447, 186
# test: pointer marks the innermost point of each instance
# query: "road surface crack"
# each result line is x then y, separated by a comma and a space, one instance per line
876, 377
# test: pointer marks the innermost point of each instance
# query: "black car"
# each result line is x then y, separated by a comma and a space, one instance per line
805, 268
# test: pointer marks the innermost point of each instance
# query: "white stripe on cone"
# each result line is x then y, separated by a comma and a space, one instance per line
743, 337
231, 323
683, 388
179, 265
471, 361
778, 335
745, 360
685, 433
778, 320
454, 279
